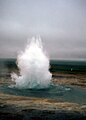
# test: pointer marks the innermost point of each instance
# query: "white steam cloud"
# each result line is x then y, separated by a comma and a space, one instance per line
34, 67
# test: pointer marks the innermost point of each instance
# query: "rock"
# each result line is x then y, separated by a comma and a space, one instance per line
26, 108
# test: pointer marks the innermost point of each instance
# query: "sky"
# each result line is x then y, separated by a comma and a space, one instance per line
60, 23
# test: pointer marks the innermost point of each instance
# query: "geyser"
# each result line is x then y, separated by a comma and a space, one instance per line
33, 65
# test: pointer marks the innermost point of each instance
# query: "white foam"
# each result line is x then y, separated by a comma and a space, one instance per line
34, 67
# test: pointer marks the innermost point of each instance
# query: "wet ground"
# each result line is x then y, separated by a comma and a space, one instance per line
64, 100
72, 94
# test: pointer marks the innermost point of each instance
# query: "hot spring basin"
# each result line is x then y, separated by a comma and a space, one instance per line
63, 93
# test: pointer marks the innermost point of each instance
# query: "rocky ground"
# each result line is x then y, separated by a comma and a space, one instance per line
27, 108
59, 78
70, 79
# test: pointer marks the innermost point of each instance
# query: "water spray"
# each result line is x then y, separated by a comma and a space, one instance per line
33, 65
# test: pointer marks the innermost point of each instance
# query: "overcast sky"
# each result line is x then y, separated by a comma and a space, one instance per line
60, 23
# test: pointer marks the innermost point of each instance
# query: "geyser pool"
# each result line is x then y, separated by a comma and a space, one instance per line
33, 65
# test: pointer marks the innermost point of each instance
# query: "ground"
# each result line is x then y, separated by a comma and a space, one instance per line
28, 108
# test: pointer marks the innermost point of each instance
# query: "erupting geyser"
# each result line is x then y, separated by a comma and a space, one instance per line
33, 65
